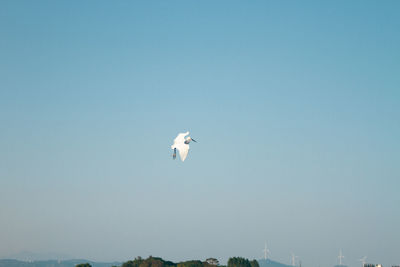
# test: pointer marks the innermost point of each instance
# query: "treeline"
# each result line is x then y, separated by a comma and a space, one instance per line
242, 262
211, 262
149, 262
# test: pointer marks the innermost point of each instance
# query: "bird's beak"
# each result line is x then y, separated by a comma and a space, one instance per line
194, 140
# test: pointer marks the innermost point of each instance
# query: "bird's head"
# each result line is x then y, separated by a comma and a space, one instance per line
188, 139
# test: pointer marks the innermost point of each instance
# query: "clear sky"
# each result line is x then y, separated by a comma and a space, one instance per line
295, 106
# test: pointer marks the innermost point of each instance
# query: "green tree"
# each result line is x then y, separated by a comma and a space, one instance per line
190, 264
83, 265
149, 262
238, 262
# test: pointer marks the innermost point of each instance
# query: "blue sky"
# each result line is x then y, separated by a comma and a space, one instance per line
295, 107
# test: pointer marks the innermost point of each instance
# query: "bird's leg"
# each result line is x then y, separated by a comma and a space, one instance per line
174, 155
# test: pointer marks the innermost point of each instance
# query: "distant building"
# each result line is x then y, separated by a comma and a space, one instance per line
212, 261
372, 265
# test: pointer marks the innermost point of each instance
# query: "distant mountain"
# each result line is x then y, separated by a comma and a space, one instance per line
73, 263
36, 256
271, 263
54, 263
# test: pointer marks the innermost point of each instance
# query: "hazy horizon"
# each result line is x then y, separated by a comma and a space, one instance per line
32, 256
295, 108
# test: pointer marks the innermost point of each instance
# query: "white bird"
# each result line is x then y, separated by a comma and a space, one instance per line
182, 144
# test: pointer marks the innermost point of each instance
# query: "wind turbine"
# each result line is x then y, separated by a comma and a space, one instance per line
293, 259
363, 260
340, 257
266, 251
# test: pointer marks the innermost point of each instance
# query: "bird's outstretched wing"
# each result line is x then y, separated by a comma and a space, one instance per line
183, 151
180, 138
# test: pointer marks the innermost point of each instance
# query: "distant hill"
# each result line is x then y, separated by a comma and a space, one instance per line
72, 263
138, 262
36, 256
54, 263
271, 263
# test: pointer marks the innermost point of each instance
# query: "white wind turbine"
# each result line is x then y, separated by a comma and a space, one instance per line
293, 259
340, 257
266, 251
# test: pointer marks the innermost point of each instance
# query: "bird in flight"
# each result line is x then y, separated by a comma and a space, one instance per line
182, 144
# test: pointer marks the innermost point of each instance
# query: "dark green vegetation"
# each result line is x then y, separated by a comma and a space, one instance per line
242, 262
158, 262
149, 262
210, 262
